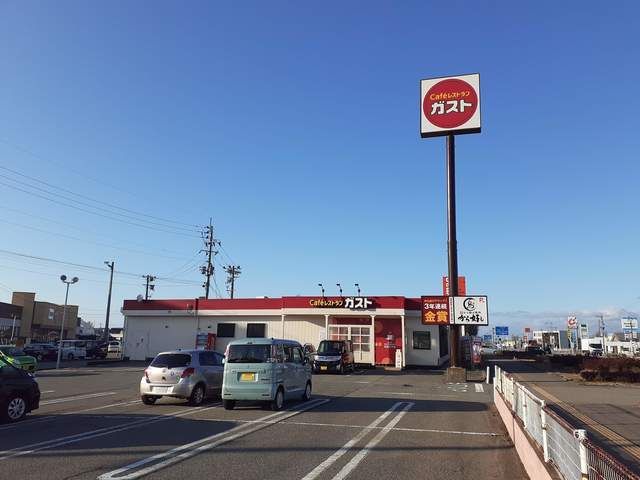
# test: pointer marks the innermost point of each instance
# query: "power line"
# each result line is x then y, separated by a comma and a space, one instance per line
95, 213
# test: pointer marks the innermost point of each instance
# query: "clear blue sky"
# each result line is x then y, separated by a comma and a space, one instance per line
295, 127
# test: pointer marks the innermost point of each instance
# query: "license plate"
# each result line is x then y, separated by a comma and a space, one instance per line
160, 389
323, 367
247, 377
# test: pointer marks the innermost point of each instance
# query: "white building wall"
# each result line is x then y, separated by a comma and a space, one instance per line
421, 357
209, 324
304, 328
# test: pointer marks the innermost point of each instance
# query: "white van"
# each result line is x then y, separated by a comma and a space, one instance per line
73, 349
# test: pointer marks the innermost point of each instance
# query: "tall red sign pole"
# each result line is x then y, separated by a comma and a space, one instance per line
450, 106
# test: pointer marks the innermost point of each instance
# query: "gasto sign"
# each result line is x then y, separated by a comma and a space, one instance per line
462, 286
435, 310
469, 310
450, 105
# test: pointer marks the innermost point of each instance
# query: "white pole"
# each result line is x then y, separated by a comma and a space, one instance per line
13, 328
64, 315
488, 371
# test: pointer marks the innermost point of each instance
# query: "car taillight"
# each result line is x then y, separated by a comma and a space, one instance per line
146, 374
188, 372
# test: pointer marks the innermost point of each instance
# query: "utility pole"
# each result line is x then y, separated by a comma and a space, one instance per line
106, 322
149, 286
233, 272
452, 244
207, 270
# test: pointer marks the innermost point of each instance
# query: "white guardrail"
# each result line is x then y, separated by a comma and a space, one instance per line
563, 446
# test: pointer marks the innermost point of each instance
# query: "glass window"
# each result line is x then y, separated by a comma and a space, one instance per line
249, 353
226, 330
444, 340
297, 355
256, 330
207, 358
288, 354
422, 340
217, 358
171, 360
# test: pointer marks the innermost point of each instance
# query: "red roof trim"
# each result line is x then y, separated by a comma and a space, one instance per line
390, 302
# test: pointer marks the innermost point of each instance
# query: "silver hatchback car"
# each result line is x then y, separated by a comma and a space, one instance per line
190, 374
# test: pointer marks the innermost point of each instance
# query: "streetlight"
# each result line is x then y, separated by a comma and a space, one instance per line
357, 285
64, 314
339, 288
321, 288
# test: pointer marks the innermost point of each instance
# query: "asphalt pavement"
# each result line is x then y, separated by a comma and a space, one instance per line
370, 424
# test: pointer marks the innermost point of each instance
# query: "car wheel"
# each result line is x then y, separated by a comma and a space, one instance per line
306, 396
278, 401
149, 399
70, 356
15, 409
341, 369
229, 404
197, 395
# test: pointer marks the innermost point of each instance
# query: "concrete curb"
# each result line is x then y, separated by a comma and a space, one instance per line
533, 464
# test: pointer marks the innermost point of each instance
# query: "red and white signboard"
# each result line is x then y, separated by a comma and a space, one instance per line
462, 286
572, 322
450, 105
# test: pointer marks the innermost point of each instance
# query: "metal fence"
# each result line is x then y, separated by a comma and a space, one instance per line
565, 447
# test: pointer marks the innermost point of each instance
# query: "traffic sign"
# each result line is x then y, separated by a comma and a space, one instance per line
469, 310
502, 331
487, 338
629, 322
450, 105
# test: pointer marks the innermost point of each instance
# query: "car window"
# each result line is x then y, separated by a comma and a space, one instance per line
171, 360
249, 353
297, 355
204, 359
288, 353
217, 358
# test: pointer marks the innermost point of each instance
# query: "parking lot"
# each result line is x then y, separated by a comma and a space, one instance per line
370, 424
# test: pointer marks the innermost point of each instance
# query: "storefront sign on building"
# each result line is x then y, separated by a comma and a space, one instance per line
462, 286
469, 310
450, 105
435, 310
572, 322
352, 303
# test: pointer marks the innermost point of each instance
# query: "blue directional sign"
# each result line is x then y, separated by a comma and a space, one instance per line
487, 338
502, 331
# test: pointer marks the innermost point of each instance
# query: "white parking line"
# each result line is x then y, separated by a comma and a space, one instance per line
61, 441
192, 449
48, 391
76, 397
479, 388
353, 463
347, 446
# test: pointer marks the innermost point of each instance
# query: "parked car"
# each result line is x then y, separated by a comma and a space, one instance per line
96, 350
334, 356
488, 349
114, 348
73, 349
535, 350
19, 392
309, 351
41, 351
189, 374
18, 358
265, 370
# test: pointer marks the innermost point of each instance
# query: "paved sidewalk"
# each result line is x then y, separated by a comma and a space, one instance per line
610, 412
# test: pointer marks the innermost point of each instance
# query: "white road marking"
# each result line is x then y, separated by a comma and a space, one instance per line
353, 463
398, 393
192, 449
361, 382
76, 397
50, 418
343, 425
48, 391
58, 442
347, 446
479, 388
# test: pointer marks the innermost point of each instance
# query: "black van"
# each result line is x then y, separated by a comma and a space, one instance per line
19, 393
334, 356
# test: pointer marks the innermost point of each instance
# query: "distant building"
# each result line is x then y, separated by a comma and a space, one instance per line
41, 321
10, 320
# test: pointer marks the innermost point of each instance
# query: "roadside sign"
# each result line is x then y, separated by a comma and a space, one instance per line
572, 322
450, 105
435, 310
462, 286
487, 338
629, 322
469, 310
502, 331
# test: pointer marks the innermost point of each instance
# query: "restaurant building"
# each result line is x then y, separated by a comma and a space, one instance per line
378, 327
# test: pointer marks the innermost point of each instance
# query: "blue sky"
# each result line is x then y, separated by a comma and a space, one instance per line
295, 127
